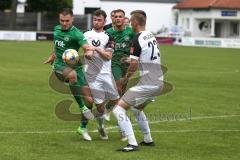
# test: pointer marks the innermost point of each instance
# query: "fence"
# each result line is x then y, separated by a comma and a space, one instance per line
40, 21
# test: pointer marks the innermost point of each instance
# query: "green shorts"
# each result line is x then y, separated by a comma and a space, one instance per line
58, 69
119, 70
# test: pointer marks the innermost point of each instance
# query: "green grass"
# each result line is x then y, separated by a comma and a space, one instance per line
205, 80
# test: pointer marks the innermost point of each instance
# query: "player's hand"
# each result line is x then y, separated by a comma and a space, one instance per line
50, 59
125, 60
89, 55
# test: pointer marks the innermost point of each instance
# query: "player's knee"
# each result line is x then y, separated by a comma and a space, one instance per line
72, 76
88, 101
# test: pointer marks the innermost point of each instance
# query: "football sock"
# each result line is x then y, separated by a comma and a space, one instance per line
125, 124
100, 119
84, 122
109, 106
77, 95
143, 123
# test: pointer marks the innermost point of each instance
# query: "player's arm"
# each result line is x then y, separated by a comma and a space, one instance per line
134, 56
88, 50
51, 58
109, 48
131, 70
106, 54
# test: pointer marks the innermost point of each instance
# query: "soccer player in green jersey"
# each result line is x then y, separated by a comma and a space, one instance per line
122, 36
67, 36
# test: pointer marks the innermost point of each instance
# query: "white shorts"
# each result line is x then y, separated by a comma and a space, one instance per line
140, 94
103, 88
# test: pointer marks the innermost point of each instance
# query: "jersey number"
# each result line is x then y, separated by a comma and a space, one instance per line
152, 44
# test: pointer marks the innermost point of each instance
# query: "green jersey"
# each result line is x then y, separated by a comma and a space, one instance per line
63, 40
122, 42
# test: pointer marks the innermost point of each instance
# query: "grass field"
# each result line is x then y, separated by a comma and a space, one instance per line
198, 120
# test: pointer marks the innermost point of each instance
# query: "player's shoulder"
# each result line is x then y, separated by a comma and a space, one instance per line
75, 29
137, 36
57, 28
145, 36
88, 32
110, 30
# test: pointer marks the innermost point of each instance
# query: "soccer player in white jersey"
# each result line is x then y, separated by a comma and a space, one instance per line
145, 56
98, 69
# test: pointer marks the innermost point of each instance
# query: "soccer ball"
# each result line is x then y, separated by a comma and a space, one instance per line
70, 57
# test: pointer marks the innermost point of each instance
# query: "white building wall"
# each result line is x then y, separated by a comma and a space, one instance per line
80, 5
197, 17
158, 14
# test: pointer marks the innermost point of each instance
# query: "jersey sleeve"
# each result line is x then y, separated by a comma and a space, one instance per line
81, 39
110, 43
136, 49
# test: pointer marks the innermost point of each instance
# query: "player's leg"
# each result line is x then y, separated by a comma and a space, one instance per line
144, 126
124, 68
125, 124
98, 95
69, 75
82, 129
117, 74
111, 94
100, 119
81, 91
139, 96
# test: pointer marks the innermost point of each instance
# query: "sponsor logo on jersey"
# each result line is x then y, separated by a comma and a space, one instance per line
96, 43
126, 38
59, 43
66, 38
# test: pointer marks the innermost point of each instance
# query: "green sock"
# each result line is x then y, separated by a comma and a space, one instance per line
77, 95
109, 106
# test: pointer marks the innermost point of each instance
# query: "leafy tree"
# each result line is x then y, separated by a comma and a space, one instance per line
5, 4
50, 6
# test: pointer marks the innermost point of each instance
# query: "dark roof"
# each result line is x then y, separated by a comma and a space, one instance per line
155, 1
206, 4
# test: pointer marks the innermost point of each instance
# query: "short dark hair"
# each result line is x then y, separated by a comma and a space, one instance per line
66, 11
140, 18
140, 12
119, 10
112, 12
100, 12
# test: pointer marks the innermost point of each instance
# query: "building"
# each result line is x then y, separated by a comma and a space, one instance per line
159, 12
210, 18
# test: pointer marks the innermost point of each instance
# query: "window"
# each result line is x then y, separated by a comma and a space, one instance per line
188, 23
234, 29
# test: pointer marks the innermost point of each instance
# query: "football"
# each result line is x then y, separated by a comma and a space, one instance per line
70, 57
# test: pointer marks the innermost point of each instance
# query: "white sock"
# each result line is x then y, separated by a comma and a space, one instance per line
125, 124
143, 123
100, 119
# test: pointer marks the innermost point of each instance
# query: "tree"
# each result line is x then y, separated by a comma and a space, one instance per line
13, 15
5, 4
51, 6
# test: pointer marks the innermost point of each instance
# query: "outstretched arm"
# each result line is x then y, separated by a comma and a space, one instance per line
104, 53
131, 70
50, 59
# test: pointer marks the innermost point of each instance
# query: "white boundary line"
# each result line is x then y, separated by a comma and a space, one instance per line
183, 119
153, 122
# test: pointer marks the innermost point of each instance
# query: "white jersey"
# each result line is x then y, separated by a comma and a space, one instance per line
98, 71
97, 65
145, 49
